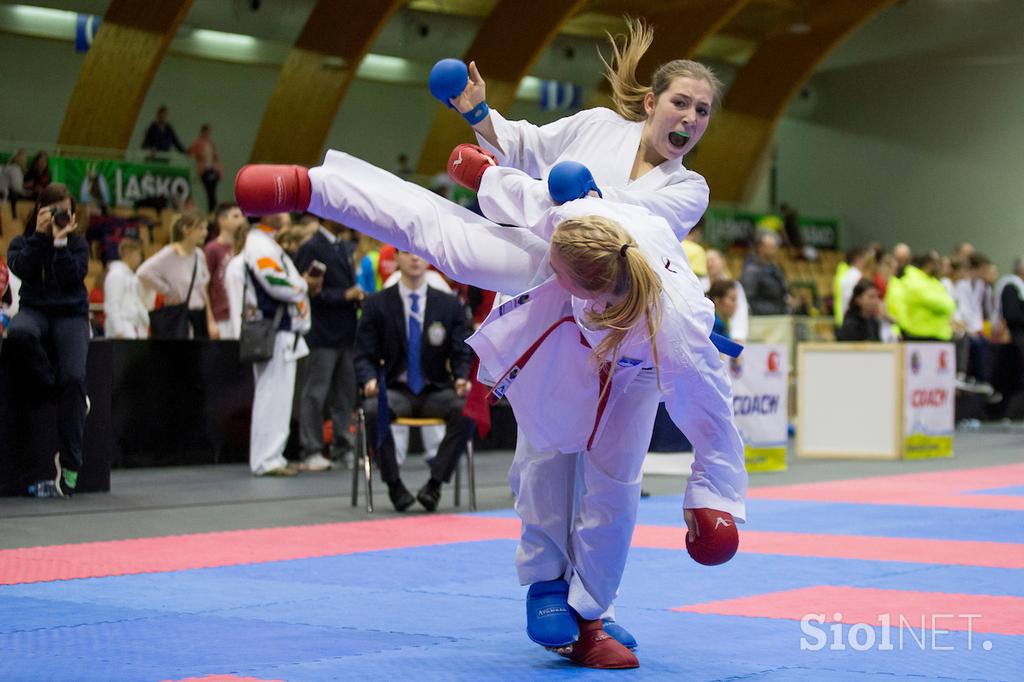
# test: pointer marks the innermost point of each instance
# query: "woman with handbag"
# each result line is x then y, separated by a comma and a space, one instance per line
178, 272
51, 330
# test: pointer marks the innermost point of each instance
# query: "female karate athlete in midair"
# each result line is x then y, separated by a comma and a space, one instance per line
635, 152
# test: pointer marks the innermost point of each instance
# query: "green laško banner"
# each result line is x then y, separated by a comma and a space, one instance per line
723, 227
121, 183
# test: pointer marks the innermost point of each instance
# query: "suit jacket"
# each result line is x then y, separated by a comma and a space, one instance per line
382, 336
334, 318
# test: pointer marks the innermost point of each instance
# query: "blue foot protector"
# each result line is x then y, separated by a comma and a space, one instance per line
549, 620
619, 633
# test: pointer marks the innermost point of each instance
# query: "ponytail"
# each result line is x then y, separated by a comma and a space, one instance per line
627, 92
602, 257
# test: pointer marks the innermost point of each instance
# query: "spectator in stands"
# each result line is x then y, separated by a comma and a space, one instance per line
274, 281
37, 178
367, 259
962, 251
12, 178
126, 315
208, 167
858, 261
973, 295
179, 273
901, 252
234, 282
763, 279
695, 252
723, 294
97, 316
330, 369
791, 228
418, 335
229, 219
308, 226
1010, 291
290, 238
862, 318
405, 169
739, 324
160, 135
884, 270
928, 307
51, 261
5, 299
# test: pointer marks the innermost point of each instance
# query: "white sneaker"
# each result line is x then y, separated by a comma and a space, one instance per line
317, 462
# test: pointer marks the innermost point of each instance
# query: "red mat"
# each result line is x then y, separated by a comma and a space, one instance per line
210, 550
870, 548
940, 610
936, 489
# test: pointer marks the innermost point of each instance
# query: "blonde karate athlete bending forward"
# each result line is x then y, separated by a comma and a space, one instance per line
634, 151
612, 321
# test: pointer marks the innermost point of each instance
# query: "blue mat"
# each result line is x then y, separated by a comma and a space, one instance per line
455, 612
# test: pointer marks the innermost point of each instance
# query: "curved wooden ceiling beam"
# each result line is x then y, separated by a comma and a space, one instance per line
315, 77
677, 35
507, 45
740, 133
118, 70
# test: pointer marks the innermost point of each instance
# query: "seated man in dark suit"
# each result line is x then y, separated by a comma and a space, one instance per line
419, 336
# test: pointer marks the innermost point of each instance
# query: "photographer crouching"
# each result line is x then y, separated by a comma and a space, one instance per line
50, 333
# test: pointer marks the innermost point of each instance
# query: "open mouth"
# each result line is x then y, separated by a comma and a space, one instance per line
677, 139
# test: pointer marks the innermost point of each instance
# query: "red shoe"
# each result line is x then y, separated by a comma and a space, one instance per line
262, 189
597, 649
467, 164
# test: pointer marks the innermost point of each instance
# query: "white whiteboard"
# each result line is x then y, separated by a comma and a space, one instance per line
850, 402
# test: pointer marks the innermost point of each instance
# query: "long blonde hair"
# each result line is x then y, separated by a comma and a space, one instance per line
627, 92
592, 251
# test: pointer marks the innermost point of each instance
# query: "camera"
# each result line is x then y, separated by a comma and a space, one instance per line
61, 217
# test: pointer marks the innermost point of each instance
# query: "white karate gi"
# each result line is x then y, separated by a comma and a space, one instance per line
605, 143
125, 315
555, 396
274, 389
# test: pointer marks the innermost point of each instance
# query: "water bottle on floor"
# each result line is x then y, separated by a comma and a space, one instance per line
45, 488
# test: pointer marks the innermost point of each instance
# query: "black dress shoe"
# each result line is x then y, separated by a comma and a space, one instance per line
429, 495
400, 496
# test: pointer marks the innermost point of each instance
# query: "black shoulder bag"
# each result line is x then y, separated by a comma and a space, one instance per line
256, 340
171, 321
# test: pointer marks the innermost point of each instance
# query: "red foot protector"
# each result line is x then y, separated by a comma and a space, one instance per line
262, 189
597, 649
717, 537
467, 164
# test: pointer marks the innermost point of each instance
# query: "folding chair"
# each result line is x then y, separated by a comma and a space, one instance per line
364, 465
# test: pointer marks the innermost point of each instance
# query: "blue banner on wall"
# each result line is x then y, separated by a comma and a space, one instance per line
86, 26
556, 96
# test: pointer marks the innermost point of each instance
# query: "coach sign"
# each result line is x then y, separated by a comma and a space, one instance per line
928, 373
760, 387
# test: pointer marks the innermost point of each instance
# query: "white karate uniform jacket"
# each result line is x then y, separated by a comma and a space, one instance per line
555, 395
125, 315
605, 143
274, 380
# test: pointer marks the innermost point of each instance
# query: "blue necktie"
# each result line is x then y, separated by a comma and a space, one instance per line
415, 372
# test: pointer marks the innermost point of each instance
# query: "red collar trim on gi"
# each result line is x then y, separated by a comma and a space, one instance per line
498, 390
501, 386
